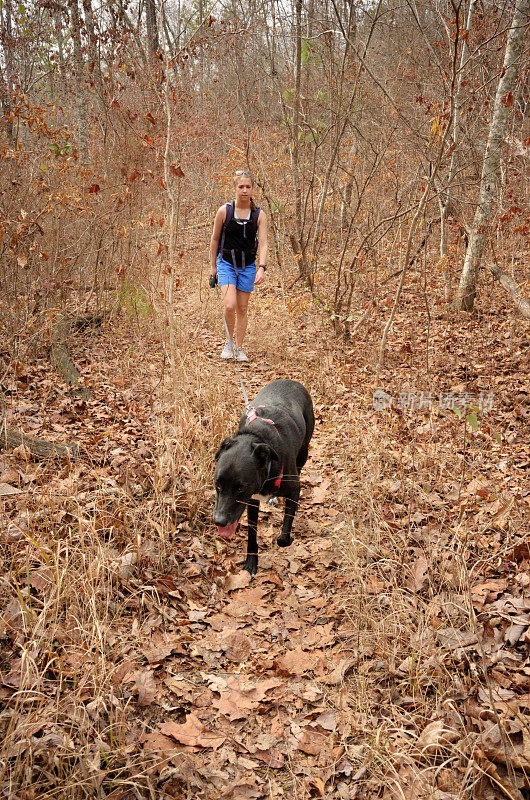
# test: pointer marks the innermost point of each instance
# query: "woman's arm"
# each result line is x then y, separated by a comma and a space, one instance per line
263, 247
216, 235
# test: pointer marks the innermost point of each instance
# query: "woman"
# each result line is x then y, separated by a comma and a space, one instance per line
239, 230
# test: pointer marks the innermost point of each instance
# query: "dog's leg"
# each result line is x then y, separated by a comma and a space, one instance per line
301, 458
291, 507
251, 562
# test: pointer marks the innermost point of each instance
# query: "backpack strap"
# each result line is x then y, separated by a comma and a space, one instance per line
230, 213
230, 208
254, 215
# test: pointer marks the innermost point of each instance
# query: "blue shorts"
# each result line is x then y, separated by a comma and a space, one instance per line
243, 281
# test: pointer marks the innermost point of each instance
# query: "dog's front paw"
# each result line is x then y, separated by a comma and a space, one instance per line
284, 540
251, 564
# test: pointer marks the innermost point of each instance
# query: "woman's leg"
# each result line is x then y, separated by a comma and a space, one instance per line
228, 293
242, 299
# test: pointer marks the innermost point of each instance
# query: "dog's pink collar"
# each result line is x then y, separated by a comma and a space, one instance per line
251, 416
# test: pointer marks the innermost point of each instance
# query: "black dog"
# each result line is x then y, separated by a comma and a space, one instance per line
264, 458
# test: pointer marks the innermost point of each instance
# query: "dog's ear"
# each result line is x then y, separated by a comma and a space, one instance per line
263, 454
225, 444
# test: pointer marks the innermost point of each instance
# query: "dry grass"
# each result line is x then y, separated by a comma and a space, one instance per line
80, 565
406, 688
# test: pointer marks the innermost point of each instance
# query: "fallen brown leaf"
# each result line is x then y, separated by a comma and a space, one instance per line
296, 662
340, 671
145, 683
6, 489
318, 493
192, 733
418, 573
502, 781
311, 742
237, 580
434, 737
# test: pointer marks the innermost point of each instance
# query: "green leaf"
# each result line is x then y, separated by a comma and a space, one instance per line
458, 411
473, 421
287, 95
306, 52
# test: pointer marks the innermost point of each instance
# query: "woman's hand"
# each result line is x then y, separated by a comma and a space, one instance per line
260, 276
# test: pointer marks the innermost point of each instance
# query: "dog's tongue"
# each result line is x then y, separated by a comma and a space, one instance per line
227, 531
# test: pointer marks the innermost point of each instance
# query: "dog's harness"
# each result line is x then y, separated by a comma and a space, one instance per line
251, 416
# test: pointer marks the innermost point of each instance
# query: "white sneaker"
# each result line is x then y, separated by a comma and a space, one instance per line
228, 350
240, 354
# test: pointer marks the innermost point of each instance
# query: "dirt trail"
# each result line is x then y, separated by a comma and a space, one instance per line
148, 643
258, 685
138, 661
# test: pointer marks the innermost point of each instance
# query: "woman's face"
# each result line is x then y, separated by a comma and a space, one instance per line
243, 188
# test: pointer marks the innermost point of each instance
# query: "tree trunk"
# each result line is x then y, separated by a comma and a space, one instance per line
515, 291
295, 154
38, 448
173, 195
503, 100
59, 355
446, 200
134, 30
152, 29
94, 69
6, 78
58, 24
79, 68
350, 41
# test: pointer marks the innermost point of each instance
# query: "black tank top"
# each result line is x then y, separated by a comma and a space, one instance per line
240, 238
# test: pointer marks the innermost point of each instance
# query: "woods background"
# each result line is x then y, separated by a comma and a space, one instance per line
366, 125
385, 655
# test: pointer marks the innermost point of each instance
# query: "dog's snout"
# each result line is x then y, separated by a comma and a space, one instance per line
224, 512
219, 517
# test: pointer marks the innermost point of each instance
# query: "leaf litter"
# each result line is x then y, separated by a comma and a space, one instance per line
385, 654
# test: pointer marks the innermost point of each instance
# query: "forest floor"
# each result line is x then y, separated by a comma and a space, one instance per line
385, 654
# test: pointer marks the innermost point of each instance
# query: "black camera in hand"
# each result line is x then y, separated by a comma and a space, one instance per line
213, 281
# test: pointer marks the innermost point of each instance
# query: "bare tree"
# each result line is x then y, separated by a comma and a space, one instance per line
6, 74
152, 29
503, 100
94, 67
79, 67
295, 152
445, 198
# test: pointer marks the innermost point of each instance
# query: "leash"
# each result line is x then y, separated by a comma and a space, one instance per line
215, 283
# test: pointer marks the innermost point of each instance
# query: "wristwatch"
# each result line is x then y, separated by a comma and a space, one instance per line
263, 267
